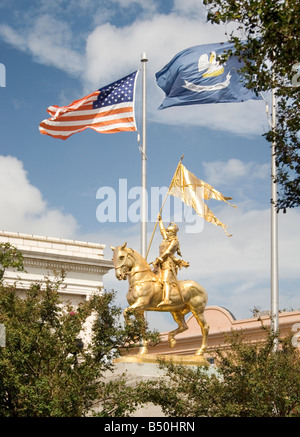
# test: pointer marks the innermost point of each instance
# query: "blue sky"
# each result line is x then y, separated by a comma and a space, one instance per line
55, 52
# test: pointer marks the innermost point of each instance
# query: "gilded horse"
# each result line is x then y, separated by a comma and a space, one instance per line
145, 293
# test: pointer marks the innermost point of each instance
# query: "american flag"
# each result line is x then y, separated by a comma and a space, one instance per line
107, 110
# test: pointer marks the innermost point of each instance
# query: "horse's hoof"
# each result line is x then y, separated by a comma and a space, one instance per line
143, 351
172, 342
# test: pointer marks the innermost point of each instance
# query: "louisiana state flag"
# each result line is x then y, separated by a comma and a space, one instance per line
196, 76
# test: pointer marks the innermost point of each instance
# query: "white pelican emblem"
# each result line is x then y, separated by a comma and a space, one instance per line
211, 68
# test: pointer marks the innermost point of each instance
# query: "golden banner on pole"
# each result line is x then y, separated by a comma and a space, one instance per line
193, 191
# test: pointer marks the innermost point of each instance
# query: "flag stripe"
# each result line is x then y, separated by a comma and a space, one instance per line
108, 110
103, 129
72, 121
71, 126
90, 114
87, 109
77, 103
96, 126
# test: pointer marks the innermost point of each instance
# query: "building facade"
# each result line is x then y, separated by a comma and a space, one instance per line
83, 263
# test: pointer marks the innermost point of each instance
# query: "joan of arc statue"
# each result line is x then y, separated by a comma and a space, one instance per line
166, 264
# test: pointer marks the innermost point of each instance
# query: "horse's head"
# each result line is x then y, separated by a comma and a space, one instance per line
123, 262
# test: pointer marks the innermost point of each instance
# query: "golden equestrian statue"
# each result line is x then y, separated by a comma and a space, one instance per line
158, 289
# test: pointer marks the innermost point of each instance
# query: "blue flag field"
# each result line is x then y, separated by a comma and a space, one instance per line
196, 76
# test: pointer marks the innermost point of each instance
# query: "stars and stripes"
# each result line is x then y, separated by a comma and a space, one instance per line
107, 110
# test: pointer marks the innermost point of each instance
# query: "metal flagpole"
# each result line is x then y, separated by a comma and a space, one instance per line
274, 233
144, 199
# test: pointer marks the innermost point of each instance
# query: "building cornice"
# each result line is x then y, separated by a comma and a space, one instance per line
58, 254
51, 240
82, 265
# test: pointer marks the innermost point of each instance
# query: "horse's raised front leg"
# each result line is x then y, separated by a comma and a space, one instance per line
182, 326
138, 310
136, 306
140, 316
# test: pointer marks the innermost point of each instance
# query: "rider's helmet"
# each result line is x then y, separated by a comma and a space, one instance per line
172, 229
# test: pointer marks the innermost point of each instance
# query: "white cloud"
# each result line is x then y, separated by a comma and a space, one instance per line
220, 172
145, 5
112, 50
12, 37
245, 119
49, 41
189, 8
23, 207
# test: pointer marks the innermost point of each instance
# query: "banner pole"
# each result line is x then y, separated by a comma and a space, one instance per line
163, 204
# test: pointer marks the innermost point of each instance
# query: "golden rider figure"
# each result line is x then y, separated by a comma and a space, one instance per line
167, 263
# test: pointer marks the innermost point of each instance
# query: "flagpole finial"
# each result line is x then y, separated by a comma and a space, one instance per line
144, 57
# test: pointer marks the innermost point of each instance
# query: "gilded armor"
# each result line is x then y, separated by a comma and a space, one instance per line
167, 264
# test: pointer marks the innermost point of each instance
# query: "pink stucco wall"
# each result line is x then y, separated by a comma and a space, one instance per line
221, 323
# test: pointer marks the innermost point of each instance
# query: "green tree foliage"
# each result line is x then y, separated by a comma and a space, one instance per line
45, 370
267, 40
250, 380
10, 257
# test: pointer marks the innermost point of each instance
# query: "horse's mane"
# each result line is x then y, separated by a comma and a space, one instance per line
139, 258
